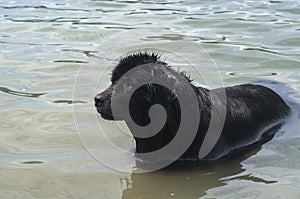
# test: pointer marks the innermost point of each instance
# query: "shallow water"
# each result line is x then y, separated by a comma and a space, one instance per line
49, 46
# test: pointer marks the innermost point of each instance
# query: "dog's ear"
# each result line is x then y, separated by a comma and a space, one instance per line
133, 60
167, 83
148, 95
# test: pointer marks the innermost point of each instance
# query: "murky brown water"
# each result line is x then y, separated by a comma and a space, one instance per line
44, 44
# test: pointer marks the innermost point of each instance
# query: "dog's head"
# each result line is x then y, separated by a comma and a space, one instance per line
146, 81
146, 95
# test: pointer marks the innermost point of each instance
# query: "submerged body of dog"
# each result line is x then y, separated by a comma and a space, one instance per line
253, 112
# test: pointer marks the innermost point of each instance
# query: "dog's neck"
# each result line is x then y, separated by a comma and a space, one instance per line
170, 128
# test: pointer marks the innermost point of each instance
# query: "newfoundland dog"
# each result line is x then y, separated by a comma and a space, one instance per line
253, 113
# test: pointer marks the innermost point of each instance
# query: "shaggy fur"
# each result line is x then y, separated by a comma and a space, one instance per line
254, 112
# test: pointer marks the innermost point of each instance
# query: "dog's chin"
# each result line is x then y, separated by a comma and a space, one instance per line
104, 115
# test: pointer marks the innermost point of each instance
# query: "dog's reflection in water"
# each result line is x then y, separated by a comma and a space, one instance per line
188, 180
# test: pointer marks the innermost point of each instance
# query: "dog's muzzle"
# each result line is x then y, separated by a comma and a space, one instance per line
103, 107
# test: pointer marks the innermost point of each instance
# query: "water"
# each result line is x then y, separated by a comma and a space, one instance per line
45, 43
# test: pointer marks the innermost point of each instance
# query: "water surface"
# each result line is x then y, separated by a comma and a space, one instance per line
45, 43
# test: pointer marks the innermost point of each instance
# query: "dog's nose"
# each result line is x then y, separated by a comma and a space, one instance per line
99, 99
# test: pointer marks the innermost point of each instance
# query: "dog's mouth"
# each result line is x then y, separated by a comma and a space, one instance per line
104, 114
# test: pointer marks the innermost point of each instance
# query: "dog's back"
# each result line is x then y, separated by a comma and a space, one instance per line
253, 114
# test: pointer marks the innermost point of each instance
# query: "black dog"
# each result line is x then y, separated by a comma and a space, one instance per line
253, 112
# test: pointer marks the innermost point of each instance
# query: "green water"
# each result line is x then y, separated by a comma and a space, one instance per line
46, 45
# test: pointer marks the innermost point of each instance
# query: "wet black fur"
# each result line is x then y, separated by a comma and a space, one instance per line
254, 112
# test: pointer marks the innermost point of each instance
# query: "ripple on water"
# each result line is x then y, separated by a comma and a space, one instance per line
44, 43
20, 93
33, 162
262, 73
68, 101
